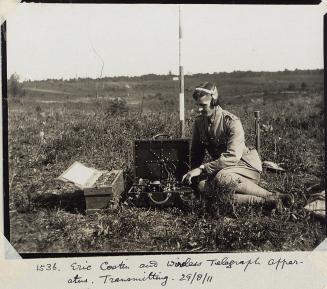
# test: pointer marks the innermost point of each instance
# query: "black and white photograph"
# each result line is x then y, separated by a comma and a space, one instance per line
165, 128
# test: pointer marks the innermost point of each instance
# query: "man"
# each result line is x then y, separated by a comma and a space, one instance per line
221, 134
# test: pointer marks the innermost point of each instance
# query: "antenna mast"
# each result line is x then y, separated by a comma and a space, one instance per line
181, 78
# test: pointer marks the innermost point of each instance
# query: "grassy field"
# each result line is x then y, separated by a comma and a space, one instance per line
58, 122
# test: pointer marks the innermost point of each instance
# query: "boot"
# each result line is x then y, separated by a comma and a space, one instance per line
274, 202
287, 199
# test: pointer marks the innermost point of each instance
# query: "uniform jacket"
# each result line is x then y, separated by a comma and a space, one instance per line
222, 136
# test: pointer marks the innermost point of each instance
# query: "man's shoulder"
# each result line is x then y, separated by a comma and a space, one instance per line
229, 115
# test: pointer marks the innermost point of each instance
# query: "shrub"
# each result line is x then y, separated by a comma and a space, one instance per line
15, 88
116, 106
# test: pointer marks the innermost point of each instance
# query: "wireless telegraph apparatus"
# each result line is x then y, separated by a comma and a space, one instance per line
160, 164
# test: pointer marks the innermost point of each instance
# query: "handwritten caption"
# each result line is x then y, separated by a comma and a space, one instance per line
187, 270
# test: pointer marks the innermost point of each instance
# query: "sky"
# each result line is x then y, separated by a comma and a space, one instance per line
74, 40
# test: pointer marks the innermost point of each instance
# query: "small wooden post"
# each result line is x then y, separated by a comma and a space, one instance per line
257, 130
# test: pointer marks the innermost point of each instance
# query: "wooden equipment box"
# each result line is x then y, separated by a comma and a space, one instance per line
105, 191
100, 188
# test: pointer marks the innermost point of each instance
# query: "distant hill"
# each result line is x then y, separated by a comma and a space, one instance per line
158, 90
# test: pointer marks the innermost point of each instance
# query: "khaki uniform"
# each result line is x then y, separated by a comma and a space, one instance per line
222, 136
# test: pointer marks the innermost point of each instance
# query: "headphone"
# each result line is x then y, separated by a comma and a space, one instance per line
213, 93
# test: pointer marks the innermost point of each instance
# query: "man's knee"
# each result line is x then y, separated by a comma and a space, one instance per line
224, 177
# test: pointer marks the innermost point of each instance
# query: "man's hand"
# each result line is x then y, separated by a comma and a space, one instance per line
193, 173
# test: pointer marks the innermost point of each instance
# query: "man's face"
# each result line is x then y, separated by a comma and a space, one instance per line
204, 106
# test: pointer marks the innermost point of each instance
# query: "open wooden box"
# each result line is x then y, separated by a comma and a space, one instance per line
101, 188
100, 195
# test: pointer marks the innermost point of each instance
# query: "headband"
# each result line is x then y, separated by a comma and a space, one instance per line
213, 92
204, 90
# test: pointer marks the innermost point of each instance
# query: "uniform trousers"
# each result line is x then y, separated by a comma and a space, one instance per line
243, 178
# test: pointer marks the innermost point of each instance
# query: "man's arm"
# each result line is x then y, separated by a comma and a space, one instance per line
197, 147
234, 151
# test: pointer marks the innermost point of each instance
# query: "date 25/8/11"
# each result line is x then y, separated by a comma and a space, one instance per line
196, 277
